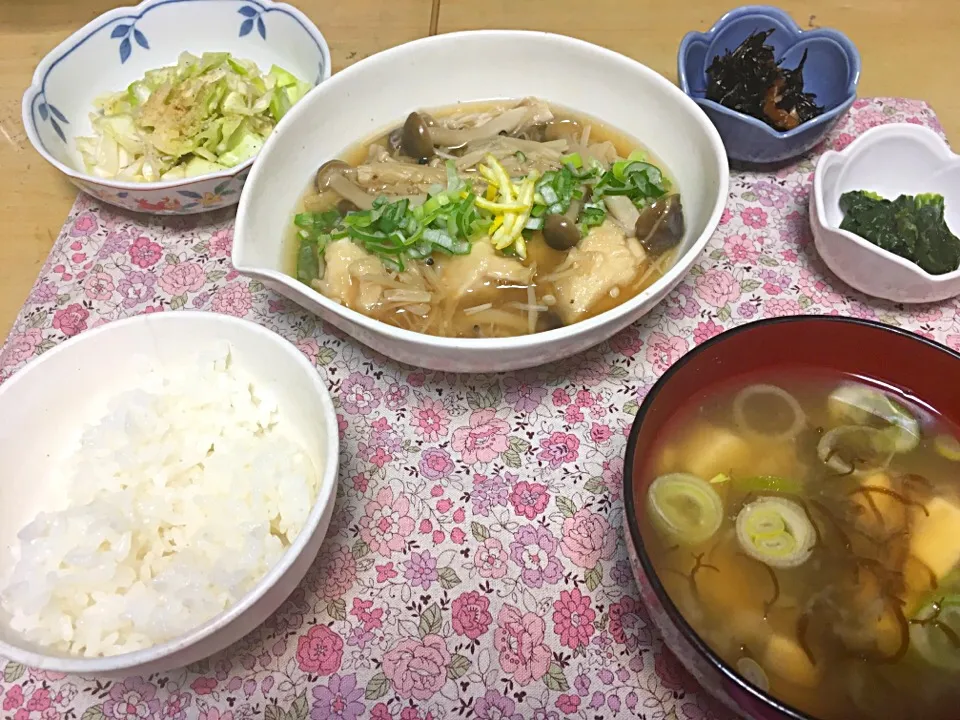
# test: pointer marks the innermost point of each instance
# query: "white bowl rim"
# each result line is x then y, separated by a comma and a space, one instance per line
326, 495
136, 11
673, 274
875, 136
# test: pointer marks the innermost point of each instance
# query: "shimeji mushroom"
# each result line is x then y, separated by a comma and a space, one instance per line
660, 226
333, 175
559, 232
415, 140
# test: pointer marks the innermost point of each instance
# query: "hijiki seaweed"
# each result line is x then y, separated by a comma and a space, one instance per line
749, 80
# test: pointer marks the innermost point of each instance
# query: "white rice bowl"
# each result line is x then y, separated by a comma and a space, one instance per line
180, 499
183, 491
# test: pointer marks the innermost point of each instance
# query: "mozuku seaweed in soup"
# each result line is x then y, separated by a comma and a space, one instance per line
488, 220
807, 527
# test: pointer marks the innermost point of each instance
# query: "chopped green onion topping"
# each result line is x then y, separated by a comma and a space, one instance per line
592, 215
450, 219
394, 231
308, 262
639, 181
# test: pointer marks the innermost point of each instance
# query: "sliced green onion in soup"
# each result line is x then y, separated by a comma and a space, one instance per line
685, 508
752, 672
947, 446
776, 531
907, 427
856, 448
935, 632
855, 404
768, 411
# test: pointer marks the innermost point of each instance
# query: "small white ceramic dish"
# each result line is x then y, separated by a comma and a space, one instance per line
43, 406
113, 50
890, 160
356, 103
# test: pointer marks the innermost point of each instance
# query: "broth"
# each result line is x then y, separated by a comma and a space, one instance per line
807, 526
587, 220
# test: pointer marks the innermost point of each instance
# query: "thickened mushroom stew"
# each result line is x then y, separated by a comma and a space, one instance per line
488, 220
807, 526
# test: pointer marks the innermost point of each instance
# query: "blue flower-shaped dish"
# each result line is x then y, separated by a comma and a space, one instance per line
831, 72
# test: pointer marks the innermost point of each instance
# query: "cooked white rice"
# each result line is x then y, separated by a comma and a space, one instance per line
180, 499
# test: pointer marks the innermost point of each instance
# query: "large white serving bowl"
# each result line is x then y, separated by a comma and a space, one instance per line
378, 93
118, 47
44, 406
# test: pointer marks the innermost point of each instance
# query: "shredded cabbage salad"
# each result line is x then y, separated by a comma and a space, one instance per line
202, 115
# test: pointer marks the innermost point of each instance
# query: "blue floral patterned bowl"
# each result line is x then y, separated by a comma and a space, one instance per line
118, 47
832, 71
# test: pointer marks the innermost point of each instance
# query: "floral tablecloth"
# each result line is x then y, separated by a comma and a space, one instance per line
475, 565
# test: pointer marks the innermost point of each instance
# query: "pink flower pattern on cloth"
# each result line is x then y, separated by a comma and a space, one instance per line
475, 564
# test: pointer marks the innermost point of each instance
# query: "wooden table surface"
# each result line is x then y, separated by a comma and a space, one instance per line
908, 49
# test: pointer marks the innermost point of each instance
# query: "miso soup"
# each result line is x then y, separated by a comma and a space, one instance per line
807, 526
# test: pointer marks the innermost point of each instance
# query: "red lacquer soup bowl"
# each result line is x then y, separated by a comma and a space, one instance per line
919, 367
